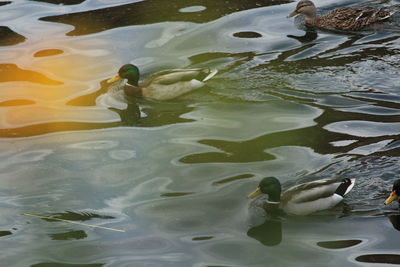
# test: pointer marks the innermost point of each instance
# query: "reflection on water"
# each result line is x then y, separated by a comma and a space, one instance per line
247, 34
201, 238
63, 2
269, 233
73, 216
11, 73
176, 194
150, 12
17, 102
288, 102
71, 235
380, 258
48, 52
309, 36
395, 220
5, 233
9, 37
338, 244
60, 264
234, 178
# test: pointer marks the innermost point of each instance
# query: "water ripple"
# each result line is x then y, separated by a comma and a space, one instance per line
298, 105
364, 128
95, 145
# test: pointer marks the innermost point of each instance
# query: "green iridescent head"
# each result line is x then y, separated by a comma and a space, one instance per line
129, 72
270, 186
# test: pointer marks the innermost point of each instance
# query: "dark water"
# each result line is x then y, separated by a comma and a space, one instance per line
174, 175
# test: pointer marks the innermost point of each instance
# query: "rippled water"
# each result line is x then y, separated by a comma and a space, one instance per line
173, 176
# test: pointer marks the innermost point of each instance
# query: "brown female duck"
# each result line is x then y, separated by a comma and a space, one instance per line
346, 18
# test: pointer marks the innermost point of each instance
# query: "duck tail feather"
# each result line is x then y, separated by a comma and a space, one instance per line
353, 182
210, 75
345, 186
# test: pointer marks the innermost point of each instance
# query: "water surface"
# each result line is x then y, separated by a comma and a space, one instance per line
174, 175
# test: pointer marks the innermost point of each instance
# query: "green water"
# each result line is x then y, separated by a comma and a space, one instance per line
169, 179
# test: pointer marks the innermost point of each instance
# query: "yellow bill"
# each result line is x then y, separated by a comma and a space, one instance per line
114, 79
255, 193
392, 197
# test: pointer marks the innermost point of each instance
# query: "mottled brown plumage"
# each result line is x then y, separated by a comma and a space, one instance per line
350, 18
347, 18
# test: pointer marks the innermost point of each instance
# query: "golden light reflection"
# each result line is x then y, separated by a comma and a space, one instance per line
36, 87
11, 72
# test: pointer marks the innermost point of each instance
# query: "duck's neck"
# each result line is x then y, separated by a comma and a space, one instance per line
274, 197
310, 20
131, 90
133, 80
271, 207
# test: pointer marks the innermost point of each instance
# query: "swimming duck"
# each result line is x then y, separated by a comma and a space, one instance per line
346, 18
304, 198
161, 85
395, 192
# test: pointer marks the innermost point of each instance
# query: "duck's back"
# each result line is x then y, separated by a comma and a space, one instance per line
352, 18
168, 84
170, 91
314, 196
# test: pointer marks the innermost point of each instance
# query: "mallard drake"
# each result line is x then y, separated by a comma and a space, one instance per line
346, 18
395, 192
161, 85
304, 198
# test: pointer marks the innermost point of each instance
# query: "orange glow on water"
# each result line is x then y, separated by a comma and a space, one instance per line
36, 88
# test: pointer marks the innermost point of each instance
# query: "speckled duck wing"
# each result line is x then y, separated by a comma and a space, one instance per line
310, 197
352, 18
